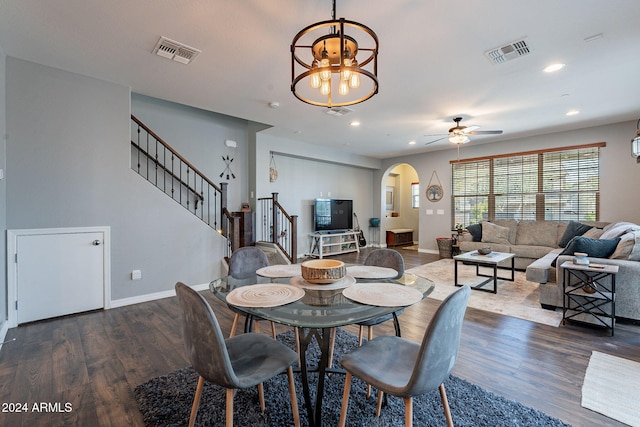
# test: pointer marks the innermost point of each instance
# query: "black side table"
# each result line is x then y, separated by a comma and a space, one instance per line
589, 294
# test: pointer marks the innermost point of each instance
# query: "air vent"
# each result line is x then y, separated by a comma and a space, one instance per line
508, 52
338, 111
171, 49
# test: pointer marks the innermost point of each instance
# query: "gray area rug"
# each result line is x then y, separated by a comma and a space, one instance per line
166, 401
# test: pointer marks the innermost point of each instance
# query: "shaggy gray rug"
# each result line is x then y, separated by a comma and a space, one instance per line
166, 401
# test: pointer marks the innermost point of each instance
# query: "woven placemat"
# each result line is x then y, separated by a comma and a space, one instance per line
264, 295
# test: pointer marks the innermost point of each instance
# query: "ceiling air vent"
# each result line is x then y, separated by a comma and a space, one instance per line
338, 111
171, 49
508, 52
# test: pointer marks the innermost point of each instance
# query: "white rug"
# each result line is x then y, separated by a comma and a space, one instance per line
516, 299
611, 387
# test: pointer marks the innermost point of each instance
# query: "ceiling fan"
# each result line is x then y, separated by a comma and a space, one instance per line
459, 134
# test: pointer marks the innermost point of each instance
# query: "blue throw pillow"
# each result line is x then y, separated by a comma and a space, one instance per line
476, 232
573, 229
595, 248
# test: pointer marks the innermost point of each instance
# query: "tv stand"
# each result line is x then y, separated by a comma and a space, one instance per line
333, 243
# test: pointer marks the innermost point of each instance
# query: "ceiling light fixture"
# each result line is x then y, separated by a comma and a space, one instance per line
334, 64
553, 67
572, 112
459, 138
635, 143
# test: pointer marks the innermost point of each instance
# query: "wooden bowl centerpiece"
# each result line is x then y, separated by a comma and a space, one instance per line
323, 271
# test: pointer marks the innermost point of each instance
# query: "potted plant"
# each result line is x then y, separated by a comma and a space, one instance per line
459, 228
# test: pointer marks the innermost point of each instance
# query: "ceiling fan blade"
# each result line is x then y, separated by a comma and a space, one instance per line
485, 132
470, 128
435, 140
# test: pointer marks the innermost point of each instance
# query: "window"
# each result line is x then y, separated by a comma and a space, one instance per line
415, 195
559, 184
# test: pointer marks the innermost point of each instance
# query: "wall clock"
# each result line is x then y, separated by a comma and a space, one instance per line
434, 192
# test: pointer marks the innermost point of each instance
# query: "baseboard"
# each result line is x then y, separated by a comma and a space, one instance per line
3, 332
152, 297
429, 251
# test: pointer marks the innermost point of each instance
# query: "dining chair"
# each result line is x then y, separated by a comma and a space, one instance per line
389, 258
233, 363
400, 367
243, 264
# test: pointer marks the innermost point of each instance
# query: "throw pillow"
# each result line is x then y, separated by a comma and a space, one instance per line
492, 233
593, 233
617, 229
573, 229
476, 232
628, 247
595, 248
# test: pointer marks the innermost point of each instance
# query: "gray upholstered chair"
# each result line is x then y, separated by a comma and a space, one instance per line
243, 264
389, 258
406, 369
239, 362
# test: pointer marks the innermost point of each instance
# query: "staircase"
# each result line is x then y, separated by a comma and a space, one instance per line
161, 165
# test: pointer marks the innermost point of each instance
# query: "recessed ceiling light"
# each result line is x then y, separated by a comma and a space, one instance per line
572, 112
355, 123
412, 143
553, 68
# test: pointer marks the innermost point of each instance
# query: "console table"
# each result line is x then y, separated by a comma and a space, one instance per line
326, 244
399, 237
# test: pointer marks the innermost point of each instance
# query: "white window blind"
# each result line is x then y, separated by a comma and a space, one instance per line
558, 184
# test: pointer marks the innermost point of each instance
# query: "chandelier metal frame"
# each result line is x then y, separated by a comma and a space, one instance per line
328, 45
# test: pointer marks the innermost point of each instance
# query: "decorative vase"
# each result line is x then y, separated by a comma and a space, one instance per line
375, 222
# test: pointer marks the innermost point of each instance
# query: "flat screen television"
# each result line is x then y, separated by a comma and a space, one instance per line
332, 215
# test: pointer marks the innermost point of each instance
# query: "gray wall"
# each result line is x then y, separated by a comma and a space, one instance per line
307, 172
3, 193
199, 136
619, 173
68, 165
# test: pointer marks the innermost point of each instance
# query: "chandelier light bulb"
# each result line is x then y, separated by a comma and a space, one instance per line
325, 87
344, 88
325, 65
314, 81
354, 81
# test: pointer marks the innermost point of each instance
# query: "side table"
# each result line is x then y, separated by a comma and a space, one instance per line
589, 294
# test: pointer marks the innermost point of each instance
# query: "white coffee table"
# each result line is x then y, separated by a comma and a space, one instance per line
491, 260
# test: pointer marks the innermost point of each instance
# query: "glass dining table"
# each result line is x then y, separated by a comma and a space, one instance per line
317, 312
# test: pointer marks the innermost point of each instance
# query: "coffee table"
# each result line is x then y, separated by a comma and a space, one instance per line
490, 260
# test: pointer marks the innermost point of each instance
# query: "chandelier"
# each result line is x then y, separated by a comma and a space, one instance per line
325, 68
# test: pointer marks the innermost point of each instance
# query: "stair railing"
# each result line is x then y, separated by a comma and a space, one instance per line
165, 168
278, 227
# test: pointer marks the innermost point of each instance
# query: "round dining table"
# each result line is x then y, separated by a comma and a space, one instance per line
320, 308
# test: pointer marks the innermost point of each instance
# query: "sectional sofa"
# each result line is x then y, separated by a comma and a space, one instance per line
540, 248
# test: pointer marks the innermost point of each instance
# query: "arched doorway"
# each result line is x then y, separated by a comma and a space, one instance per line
399, 209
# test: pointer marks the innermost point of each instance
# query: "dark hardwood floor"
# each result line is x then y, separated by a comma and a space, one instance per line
93, 361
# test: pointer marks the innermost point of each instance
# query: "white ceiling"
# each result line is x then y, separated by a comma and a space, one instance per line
431, 62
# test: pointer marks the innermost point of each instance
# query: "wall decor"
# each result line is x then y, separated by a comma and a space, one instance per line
227, 170
434, 189
273, 172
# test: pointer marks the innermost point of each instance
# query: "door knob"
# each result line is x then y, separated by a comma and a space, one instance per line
96, 242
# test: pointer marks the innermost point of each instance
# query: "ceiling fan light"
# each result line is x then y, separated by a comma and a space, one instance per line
459, 139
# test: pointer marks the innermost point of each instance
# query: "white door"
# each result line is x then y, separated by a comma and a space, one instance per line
59, 274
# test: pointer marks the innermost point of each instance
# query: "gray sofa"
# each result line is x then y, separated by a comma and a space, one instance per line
536, 244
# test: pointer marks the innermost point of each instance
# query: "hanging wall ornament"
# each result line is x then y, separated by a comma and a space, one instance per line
227, 170
434, 189
273, 172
